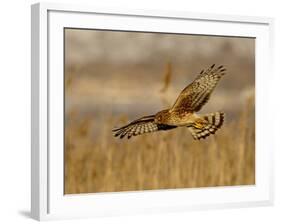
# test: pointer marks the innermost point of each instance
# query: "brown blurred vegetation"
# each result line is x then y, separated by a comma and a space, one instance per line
105, 93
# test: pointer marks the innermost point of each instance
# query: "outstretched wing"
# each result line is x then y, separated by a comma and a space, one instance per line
138, 127
196, 94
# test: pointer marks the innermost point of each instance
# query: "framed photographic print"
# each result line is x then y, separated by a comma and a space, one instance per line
138, 111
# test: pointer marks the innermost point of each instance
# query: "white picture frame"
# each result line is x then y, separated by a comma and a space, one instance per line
48, 200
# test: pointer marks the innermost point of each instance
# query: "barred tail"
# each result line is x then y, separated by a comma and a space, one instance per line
209, 124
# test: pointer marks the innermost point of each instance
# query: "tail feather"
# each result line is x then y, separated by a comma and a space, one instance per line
209, 124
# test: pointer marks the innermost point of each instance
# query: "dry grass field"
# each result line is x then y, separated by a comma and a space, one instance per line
106, 93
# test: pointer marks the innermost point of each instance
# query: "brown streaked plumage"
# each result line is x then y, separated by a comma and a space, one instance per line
182, 113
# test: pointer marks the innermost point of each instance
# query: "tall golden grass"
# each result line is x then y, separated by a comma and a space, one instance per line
167, 77
95, 161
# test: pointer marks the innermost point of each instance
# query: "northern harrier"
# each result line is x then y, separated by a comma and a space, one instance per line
182, 113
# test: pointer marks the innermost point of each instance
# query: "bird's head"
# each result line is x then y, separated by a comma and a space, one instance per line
160, 117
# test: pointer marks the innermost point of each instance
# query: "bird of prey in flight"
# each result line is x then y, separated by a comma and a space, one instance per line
183, 112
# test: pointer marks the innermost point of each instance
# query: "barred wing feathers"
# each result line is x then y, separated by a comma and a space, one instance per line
196, 94
140, 126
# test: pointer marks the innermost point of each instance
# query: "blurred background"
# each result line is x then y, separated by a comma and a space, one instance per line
114, 77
